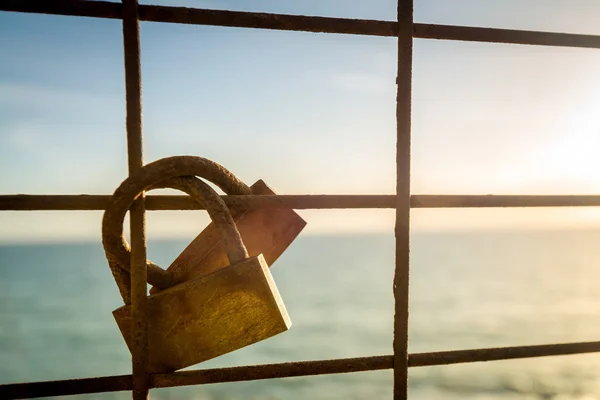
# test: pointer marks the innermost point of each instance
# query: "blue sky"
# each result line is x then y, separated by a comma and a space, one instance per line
308, 113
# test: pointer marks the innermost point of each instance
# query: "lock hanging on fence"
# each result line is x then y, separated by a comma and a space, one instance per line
219, 307
264, 231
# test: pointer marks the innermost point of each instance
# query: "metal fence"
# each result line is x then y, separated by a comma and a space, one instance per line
405, 30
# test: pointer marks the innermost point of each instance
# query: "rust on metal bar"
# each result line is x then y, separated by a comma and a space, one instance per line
75, 8
196, 16
272, 371
69, 387
503, 201
197, 377
284, 22
402, 228
501, 353
138, 272
508, 36
84, 202
182, 15
289, 369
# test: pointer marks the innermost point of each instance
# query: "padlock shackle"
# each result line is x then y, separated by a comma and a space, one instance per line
178, 173
217, 210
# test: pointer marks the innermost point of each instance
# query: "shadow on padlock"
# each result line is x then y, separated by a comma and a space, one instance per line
203, 317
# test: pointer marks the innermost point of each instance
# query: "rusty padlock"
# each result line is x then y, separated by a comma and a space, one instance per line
264, 231
207, 316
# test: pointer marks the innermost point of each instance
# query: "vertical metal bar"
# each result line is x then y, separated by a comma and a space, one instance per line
402, 230
133, 94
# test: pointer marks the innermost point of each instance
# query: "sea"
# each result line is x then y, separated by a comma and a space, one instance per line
467, 290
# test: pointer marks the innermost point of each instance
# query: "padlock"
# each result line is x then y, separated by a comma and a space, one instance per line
204, 317
264, 231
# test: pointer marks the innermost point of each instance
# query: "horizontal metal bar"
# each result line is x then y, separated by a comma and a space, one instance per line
67, 387
289, 369
509, 36
182, 15
76, 8
99, 202
503, 201
23, 202
186, 378
272, 371
283, 22
501, 353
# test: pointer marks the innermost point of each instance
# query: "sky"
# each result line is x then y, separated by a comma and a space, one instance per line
308, 113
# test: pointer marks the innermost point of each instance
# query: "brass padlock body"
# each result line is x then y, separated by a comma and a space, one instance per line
264, 231
209, 316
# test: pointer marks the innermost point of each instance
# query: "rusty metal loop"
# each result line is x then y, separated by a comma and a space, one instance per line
200, 192
175, 172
